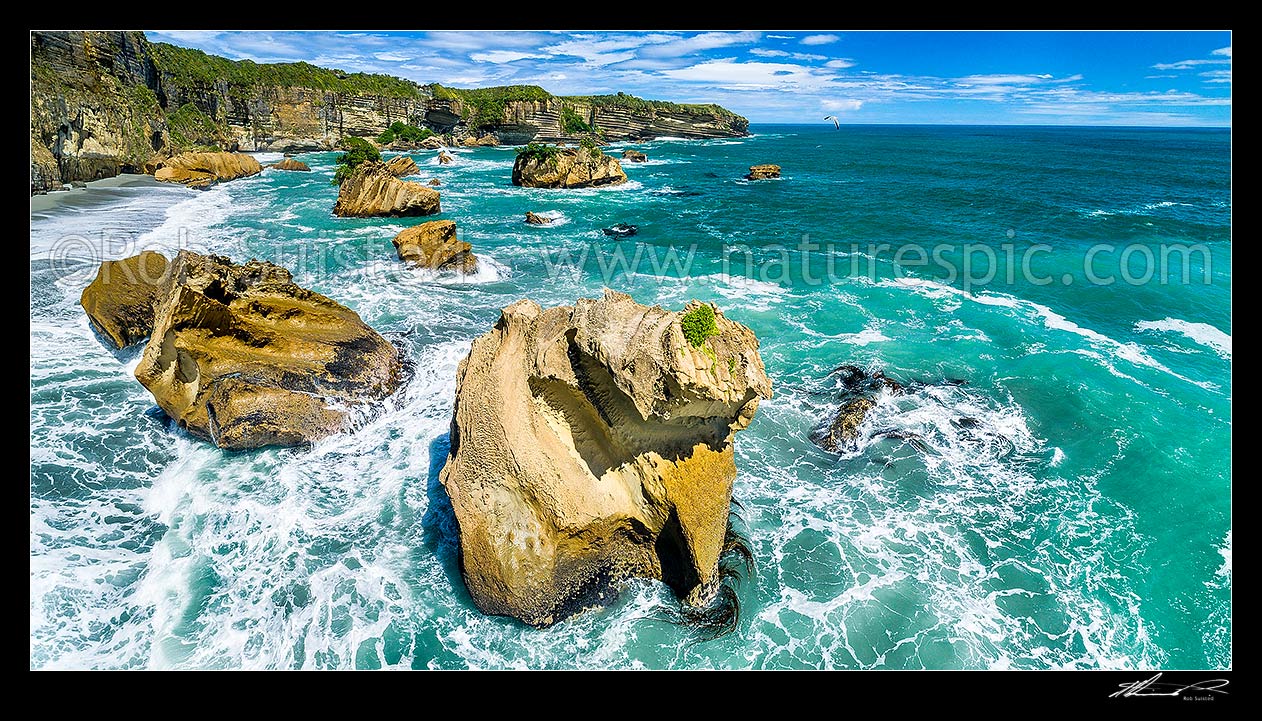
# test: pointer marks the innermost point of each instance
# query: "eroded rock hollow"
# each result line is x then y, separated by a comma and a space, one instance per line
592, 443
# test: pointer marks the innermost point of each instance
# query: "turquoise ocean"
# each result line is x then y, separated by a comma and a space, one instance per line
1052, 491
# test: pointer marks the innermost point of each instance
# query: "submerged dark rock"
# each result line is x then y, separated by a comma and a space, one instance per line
621, 230
859, 390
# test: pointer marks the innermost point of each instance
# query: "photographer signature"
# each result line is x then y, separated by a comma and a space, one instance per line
1151, 687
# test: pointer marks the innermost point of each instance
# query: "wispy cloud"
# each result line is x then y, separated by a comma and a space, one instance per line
820, 39
772, 53
683, 46
841, 106
729, 74
502, 56
1221, 56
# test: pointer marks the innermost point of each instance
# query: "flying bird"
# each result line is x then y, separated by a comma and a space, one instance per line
834, 119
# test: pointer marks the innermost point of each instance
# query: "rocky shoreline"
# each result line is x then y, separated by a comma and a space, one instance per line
590, 443
105, 103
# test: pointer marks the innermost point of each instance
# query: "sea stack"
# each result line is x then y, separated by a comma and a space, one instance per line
593, 443
238, 354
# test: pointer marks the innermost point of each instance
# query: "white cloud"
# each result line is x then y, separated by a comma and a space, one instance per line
502, 56
840, 63
1000, 79
750, 75
1217, 76
781, 37
841, 106
1223, 57
598, 51
819, 39
766, 53
704, 41
392, 57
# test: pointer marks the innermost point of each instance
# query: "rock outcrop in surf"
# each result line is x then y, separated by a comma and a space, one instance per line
567, 168
433, 245
238, 354
202, 170
592, 443
373, 190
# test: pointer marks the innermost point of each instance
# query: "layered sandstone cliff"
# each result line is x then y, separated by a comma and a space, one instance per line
109, 102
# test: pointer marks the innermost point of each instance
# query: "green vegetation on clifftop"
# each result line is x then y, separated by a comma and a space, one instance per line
484, 107
190, 69
635, 104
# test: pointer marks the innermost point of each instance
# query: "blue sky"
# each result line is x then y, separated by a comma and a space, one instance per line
1045, 78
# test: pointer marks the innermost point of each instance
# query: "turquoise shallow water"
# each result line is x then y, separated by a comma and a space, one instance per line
1080, 519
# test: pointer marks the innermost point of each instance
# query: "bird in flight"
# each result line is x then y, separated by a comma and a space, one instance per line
834, 119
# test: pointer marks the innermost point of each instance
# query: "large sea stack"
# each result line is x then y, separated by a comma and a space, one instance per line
373, 190
592, 443
237, 353
567, 168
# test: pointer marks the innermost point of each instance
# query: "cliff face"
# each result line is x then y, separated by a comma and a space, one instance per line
292, 119
540, 121
109, 102
92, 106
526, 121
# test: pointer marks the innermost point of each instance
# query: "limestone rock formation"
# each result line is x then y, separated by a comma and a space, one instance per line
533, 219
372, 190
569, 168
434, 182
592, 443
120, 300
202, 170
290, 164
762, 172
634, 156
859, 389
103, 103
434, 245
402, 165
45, 175
242, 356
486, 141
444, 158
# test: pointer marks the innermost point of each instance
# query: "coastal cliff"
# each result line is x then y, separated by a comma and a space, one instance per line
103, 103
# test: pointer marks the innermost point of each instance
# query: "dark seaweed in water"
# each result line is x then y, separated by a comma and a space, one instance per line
721, 615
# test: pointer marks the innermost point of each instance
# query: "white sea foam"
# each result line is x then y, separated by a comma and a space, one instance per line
864, 337
1202, 333
1225, 552
951, 535
1130, 352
